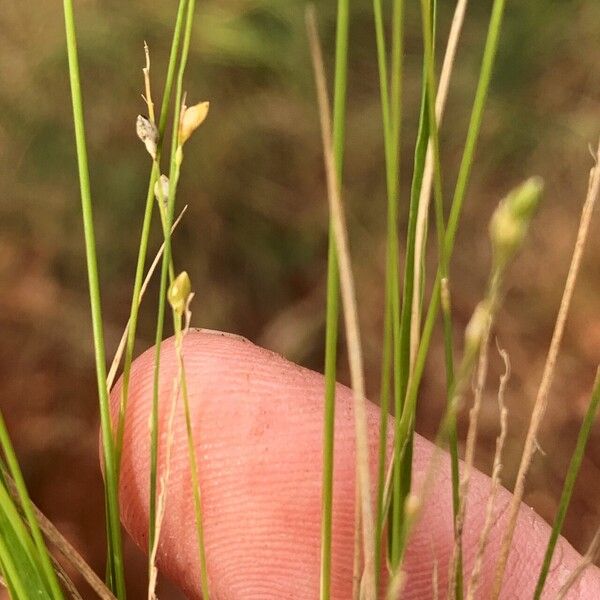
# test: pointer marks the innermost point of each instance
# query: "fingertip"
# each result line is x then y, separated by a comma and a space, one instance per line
258, 427
258, 432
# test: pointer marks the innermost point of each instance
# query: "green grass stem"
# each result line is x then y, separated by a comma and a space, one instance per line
393, 252
115, 565
333, 297
489, 54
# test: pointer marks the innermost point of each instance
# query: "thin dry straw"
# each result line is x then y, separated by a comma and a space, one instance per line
588, 559
179, 336
350, 309
68, 585
569, 484
541, 402
435, 580
495, 483
463, 491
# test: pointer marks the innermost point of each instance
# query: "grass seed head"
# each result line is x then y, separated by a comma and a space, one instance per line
511, 220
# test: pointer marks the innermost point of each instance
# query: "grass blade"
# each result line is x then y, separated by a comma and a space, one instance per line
39, 549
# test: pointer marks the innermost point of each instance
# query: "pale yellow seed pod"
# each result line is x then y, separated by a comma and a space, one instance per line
191, 118
179, 292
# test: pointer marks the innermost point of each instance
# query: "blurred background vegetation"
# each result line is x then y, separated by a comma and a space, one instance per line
254, 238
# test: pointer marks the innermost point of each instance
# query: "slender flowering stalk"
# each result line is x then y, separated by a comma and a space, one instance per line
175, 166
147, 221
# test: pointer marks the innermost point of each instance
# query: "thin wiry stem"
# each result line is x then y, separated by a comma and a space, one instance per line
333, 292
174, 170
348, 292
402, 470
588, 559
164, 487
116, 566
147, 221
463, 492
179, 336
495, 483
567, 491
392, 337
541, 402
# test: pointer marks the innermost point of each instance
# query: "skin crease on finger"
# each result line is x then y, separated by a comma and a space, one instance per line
258, 426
